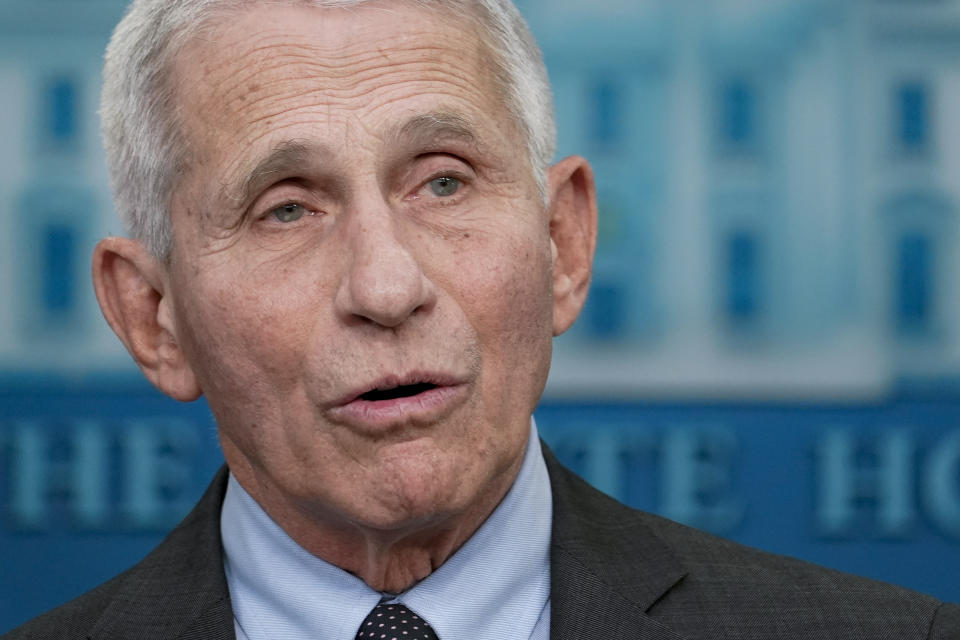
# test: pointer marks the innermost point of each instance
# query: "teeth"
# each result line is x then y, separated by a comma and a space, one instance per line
403, 391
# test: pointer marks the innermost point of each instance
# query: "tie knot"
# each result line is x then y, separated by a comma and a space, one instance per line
393, 621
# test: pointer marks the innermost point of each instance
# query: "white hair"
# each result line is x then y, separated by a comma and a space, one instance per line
145, 149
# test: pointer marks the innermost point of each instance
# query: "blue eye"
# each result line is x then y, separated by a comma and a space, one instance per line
444, 186
290, 212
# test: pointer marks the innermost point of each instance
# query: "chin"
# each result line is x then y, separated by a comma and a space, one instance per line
419, 500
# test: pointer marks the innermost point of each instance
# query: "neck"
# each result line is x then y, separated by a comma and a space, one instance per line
394, 560
389, 560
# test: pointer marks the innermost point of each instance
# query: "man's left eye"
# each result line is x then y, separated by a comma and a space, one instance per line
444, 186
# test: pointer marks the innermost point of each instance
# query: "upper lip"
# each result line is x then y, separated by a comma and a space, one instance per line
391, 381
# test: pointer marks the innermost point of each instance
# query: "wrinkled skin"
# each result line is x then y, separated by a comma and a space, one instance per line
357, 213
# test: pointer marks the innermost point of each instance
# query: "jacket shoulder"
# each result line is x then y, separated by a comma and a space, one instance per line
800, 599
177, 591
73, 619
701, 585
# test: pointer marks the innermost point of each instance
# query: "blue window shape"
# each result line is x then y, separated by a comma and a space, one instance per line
61, 123
915, 284
59, 244
742, 303
606, 311
738, 115
913, 117
607, 113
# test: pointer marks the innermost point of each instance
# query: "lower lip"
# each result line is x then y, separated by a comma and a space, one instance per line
422, 408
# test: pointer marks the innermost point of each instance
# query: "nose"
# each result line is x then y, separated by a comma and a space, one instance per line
383, 282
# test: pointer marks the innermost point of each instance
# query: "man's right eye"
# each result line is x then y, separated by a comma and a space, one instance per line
290, 212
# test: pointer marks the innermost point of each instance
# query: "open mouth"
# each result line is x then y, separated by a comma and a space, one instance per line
401, 391
416, 398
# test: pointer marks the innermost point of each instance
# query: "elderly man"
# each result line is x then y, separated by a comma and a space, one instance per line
347, 237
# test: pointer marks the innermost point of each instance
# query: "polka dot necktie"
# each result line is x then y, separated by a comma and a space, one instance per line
393, 621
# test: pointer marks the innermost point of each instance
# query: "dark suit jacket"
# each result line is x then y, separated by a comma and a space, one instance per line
615, 573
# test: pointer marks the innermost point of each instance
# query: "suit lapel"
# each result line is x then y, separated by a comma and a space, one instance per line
179, 590
607, 568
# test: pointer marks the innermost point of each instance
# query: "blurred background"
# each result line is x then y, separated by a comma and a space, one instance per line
771, 348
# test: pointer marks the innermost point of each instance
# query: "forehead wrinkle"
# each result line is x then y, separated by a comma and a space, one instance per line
265, 47
271, 60
274, 96
325, 81
335, 62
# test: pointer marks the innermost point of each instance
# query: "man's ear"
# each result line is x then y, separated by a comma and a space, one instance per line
573, 237
131, 287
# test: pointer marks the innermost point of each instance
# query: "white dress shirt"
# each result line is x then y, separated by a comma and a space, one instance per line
496, 586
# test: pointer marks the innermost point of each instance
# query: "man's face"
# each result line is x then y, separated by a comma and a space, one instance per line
361, 277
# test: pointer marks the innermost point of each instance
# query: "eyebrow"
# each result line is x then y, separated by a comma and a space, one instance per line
425, 128
286, 158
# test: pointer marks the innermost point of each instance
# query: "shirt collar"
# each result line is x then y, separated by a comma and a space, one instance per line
496, 585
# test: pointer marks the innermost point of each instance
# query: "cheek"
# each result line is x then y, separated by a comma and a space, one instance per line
508, 299
242, 332
521, 286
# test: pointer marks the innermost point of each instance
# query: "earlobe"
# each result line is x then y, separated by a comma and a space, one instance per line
129, 284
573, 237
